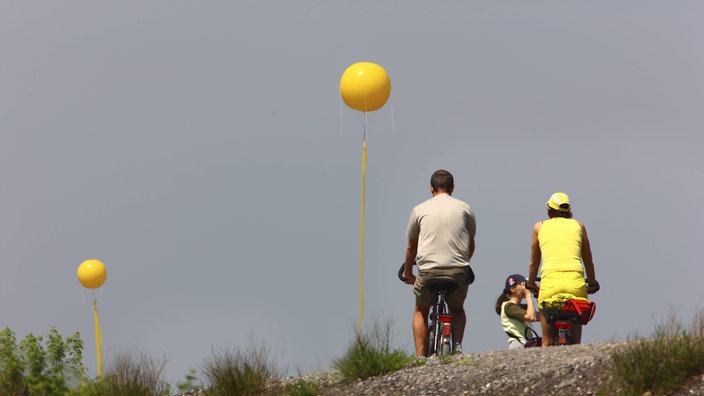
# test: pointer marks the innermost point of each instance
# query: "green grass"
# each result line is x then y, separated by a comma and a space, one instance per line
52, 365
662, 363
128, 375
246, 371
445, 359
190, 382
371, 354
301, 388
466, 361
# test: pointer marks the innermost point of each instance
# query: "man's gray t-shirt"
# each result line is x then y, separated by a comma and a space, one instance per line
443, 226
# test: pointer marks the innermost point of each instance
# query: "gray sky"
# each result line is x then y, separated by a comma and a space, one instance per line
200, 151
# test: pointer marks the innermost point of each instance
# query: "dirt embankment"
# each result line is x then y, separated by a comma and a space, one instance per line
571, 370
574, 370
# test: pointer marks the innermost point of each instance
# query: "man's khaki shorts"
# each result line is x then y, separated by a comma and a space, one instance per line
428, 298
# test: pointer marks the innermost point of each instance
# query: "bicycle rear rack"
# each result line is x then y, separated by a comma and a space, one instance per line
575, 311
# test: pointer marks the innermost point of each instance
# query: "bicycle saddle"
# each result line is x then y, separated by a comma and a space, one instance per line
442, 284
469, 280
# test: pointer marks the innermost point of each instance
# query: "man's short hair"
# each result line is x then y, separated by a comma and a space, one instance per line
442, 180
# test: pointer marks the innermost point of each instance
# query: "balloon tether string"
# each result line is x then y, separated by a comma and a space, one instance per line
361, 233
98, 339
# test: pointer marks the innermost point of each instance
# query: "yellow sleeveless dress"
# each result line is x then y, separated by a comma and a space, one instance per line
561, 270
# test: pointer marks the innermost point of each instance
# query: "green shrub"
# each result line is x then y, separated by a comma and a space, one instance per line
190, 383
240, 372
301, 388
663, 363
35, 367
371, 354
12, 380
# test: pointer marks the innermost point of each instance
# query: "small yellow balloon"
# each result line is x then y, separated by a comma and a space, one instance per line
365, 86
92, 274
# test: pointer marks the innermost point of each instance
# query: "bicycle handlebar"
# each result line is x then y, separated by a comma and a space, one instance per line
400, 272
593, 289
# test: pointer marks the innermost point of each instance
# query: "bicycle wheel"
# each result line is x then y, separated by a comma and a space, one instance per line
563, 333
431, 341
561, 337
446, 350
445, 339
568, 337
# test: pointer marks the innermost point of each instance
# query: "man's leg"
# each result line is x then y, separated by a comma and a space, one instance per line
420, 328
459, 321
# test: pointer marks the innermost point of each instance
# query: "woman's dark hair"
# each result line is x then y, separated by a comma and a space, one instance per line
499, 302
559, 213
442, 180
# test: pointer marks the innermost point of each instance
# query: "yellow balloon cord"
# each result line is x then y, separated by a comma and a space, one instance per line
361, 238
98, 339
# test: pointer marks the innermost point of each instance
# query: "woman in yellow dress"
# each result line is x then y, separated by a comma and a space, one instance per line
561, 243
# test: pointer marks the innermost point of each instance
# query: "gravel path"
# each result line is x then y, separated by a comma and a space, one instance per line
572, 370
578, 369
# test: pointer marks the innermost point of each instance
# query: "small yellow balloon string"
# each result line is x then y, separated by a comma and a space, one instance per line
98, 339
361, 238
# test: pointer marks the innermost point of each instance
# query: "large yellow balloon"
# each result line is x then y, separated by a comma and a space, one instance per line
365, 86
92, 274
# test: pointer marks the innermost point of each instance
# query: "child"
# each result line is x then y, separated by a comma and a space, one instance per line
515, 317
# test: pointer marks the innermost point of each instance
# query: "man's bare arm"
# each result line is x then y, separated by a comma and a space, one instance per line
411, 252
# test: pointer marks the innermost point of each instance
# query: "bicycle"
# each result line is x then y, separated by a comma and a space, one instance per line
439, 317
564, 310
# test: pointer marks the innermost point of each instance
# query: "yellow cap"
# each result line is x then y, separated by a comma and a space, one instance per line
559, 201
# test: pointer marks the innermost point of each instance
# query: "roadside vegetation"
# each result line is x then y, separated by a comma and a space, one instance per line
49, 365
662, 363
371, 354
128, 375
658, 364
240, 371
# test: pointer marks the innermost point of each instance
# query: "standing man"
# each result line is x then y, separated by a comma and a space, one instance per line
441, 242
